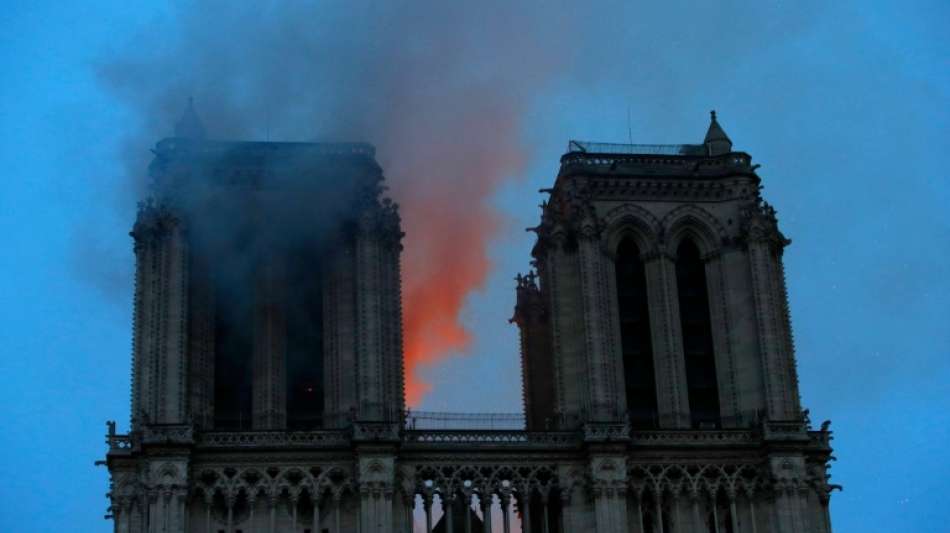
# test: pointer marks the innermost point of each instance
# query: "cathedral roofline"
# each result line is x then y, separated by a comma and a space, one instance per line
170, 145
179, 161
716, 144
633, 161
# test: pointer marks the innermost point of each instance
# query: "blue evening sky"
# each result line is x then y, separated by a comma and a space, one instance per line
846, 107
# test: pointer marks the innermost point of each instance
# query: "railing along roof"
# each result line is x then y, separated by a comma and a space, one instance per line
439, 420
635, 149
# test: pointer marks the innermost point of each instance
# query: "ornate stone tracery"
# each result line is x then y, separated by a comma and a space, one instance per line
577, 465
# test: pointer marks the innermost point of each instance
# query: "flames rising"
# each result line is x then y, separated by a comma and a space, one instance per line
443, 104
448, 232
444, 186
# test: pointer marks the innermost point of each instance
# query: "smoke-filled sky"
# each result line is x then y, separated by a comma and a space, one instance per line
845, 105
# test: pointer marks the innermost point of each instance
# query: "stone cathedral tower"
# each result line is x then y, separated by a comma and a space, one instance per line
267, 324
660, 393
658, 325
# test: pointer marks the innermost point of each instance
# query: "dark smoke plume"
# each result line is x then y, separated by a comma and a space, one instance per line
441, 88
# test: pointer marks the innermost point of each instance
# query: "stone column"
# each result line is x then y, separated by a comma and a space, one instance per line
336, 512
209, 501
485, 501
427, 507
774, 329
601, 507
340, 352
567, 517
669, 361
315, 518
391, 312
269, 403
409, 503
694, 497
468, 512
272, 504
505, 499
608, 482
524, 503
160, 369
545, 515
788, 473
369, 307
294, 499
201, 342
174, 331
735, 294
720, 321
639, 518
752, 518
378, 311
733, 513
602, 348
715, 513
154, 514
376, 484
387, 520
120, 516
620, 508
448, 508
136, 516
179, 510
559, 268
825, 512
230, 503
143, 342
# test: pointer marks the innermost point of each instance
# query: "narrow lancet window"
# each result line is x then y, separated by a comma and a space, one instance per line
701, 381
635, 337
233, 346
304, 341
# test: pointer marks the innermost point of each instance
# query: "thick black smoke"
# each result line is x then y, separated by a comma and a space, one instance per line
441, 88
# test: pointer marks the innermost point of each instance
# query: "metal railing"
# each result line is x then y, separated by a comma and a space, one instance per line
422, 420
635, 149
493, 438
288, 439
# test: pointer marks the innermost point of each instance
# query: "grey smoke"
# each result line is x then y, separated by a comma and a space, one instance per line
441, 88
445, 90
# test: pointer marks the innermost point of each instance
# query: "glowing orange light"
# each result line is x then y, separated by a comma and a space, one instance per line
445, 195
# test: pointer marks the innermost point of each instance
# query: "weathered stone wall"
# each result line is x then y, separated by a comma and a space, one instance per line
578, 468
659, 201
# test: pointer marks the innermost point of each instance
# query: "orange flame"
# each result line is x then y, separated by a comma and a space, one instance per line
451, 261
448, 223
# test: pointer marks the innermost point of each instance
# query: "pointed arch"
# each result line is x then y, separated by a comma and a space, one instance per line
695, 223
630, 221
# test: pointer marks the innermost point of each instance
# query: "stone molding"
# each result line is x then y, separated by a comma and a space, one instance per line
273, 439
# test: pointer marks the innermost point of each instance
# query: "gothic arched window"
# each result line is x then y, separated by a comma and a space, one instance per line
635, 338
304, 313
233, 347
701, 379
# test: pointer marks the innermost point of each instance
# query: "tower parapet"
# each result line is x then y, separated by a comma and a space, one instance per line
660, 391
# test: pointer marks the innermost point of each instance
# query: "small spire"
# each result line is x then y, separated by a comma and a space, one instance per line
716, 141
189, 126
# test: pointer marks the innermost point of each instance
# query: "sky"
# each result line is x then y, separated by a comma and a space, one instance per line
844, 104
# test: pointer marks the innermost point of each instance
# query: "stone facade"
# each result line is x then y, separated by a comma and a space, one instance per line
219, 443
